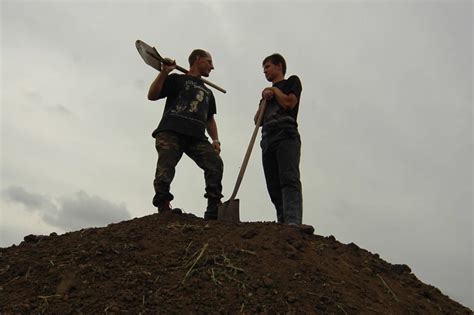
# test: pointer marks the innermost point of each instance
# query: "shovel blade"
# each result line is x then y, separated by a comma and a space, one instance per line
229, 211
149, 54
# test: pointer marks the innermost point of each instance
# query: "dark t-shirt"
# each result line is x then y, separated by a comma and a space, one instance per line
276, 117
189, 105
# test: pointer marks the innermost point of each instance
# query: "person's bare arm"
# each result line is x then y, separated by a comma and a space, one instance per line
212, 131
156, 86
288, 101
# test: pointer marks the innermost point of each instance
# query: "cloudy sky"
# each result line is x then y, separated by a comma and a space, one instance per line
385, 118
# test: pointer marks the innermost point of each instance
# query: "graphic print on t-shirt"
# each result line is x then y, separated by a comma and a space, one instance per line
193, 102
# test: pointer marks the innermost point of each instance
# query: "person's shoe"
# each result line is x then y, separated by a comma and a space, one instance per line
211, 211
164, 206
176, 211
210, 215
305, 228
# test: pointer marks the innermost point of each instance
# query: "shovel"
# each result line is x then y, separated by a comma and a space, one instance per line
229, 210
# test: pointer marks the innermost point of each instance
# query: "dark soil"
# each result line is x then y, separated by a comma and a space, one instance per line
168, 263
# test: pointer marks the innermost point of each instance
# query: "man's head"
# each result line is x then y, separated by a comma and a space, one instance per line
274, 67
200, 61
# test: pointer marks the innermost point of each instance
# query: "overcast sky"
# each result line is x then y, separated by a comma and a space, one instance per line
385, 118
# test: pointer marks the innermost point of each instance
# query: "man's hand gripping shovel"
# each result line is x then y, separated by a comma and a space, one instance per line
229, 210
152, 58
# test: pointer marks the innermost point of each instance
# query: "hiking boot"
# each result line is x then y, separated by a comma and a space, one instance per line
211, 211
210, 216
164, 206
176, 211
308, 229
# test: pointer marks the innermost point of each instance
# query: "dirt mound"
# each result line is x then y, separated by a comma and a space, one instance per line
179, 263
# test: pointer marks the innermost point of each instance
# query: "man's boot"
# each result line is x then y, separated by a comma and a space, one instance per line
211, 211
164, 206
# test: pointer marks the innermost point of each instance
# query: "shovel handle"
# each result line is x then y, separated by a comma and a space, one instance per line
263, 105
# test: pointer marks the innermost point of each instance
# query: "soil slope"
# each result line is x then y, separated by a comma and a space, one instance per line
171, 263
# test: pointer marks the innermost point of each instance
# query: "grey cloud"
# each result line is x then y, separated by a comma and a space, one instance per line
34, 96
82, 210
60, 109
70, 212
37, 98
31, 201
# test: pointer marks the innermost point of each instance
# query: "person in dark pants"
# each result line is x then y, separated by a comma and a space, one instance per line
281, 143
188, 113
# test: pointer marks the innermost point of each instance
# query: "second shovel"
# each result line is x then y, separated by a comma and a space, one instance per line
229, 210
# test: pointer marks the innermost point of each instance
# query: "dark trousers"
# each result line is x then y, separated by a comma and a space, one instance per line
281, 159
170, 147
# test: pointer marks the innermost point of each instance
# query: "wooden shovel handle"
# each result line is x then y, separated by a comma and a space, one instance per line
262, 107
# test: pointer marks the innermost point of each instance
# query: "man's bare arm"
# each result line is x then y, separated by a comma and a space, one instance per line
212, 131
288, 101
157, 84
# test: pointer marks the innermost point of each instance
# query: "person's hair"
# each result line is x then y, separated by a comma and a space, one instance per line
276, 59
196, 53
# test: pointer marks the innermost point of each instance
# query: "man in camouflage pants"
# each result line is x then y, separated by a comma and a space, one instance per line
188, 113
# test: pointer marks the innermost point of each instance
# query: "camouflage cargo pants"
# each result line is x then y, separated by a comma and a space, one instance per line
170, 147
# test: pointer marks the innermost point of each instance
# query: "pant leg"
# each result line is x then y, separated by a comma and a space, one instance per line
288, 154
204, 155
272, 178
169, 148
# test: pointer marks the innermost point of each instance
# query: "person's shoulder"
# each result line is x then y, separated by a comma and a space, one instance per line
174, 77
294, 80
293, 77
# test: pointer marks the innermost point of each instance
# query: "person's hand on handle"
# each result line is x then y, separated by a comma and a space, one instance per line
168, 65
268, 93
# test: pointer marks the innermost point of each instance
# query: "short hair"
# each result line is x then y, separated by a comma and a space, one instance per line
276, 59
197, 53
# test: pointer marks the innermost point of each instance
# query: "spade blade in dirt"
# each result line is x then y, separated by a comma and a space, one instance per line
229, 211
